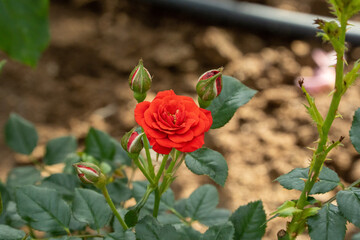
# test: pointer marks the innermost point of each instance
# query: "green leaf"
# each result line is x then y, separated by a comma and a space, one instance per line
328, 224
8, 233
20, 134
65, 238
349, 204
26, 27
189, 233
22, 176
64, 184
234, 94
202, 202
149, 228
10, 217
91, 207
355, 131
168, 218
208, 162
119, 191
249, 221
43, 208
356, 237
120, 154
125, 235
328, 180
216, 217
99, 145
220, 232
58, 149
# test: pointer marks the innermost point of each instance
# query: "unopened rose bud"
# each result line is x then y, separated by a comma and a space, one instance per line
209, 86
140, 81
88, 172
131, 142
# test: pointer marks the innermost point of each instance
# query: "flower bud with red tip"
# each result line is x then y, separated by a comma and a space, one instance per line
140, 81
209, 86
132, 142
90, 173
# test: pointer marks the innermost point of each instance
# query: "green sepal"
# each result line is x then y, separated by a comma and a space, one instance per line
287, 209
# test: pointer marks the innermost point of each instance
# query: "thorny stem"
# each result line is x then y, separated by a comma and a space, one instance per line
297, 224
113, 208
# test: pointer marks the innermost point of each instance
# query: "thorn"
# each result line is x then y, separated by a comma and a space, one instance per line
328, 159
341, 138
303, 179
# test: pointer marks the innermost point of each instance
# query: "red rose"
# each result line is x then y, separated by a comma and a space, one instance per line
172, 121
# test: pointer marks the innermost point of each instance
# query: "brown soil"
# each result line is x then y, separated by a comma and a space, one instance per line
81, 81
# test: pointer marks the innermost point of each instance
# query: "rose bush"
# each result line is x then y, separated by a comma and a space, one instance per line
172, 121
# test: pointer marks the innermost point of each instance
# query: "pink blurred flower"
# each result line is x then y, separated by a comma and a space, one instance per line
323, 80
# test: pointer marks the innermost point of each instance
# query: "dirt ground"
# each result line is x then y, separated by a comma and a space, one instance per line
81, 81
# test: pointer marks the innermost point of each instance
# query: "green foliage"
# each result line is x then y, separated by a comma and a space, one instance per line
63, 183
208, 162
20, 134
219, 232
123, 235
8, 233
201, 202
349, 204
58, 149
43, 208
328, 224
355, 131
234, 94
189, 233
119, 191
22, 176
90, 207
99, 145
25, 29
295, 179
249, 221
150, 229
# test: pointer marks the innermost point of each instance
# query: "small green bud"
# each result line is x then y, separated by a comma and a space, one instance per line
132, 142
140, 81
209, 86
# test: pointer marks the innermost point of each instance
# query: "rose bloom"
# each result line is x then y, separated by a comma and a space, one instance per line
172, 121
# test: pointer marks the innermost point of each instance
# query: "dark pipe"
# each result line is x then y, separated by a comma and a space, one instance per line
254, 16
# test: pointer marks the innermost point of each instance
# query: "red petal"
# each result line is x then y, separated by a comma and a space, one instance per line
186, 137
193, 145
139, 112
160, 149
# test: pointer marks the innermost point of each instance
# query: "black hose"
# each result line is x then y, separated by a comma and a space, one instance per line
252, 15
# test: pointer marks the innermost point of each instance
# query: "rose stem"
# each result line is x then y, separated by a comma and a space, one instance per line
148, 156
113, 209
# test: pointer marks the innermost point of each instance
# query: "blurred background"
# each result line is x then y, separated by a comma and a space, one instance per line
82, 81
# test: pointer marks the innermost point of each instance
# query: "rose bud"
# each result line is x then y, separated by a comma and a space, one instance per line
88, 172
140, 81
131, 142
209, 86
